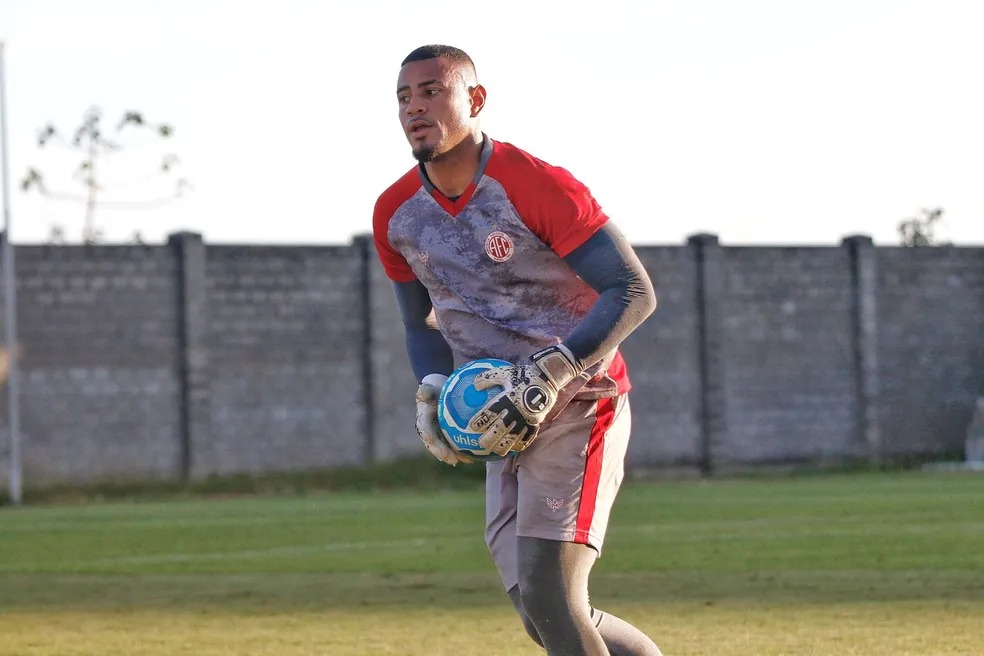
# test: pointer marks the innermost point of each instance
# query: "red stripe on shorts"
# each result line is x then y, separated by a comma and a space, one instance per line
604, 417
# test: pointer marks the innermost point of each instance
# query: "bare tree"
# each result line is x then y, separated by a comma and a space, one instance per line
90, 142
920, 230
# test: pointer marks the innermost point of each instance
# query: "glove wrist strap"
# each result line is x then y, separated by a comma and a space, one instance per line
557, 365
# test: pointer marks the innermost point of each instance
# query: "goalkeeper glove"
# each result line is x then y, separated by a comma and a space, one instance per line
511, 418
427, 426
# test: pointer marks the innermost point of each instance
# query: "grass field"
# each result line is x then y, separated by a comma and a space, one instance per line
851, 564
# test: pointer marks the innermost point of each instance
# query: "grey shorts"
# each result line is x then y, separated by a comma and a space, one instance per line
562, 486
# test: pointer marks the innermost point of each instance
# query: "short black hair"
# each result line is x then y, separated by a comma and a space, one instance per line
436, 51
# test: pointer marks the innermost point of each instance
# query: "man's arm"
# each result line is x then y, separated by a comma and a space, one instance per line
427, 349
532, 392
607, 263
431, 361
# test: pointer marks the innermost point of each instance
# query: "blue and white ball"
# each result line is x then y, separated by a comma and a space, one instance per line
458, 403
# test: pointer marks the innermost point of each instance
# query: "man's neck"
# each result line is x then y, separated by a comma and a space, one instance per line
453, 171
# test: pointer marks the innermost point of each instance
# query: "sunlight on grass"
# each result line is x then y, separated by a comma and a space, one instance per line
864, 564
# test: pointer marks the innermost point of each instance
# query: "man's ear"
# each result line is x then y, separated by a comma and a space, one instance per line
477, 95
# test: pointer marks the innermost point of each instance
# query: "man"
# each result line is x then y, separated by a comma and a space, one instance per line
494, 253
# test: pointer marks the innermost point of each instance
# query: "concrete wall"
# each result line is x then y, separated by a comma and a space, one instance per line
99, 362
664, 365
187, 359
285, 375
789, 361
930, 346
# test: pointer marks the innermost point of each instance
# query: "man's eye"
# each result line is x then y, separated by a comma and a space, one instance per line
431, 92
403, 100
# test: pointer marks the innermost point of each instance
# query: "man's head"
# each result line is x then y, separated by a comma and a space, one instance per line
439, 98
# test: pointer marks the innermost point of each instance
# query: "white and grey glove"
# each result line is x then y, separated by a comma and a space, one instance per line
511, 419
427, 426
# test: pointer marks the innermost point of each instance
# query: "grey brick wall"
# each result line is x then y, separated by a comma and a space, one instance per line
100, 389
664, 360
393, 383
790, 368
285, 336
188, 359
930, 346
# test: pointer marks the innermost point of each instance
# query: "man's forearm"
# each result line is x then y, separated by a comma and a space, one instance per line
428, 351
614, 316
626, 296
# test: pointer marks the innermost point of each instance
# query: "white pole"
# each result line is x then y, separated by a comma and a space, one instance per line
10, 303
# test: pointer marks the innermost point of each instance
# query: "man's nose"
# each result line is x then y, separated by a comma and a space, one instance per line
416, 105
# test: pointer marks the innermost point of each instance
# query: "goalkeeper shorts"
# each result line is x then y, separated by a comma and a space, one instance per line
563, 486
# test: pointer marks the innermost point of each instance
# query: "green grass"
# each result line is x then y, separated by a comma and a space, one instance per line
867, 563
422, 473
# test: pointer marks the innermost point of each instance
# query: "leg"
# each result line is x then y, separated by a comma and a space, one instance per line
566, 484
500, 533
553, 585
621, 638
501, 499
517, 602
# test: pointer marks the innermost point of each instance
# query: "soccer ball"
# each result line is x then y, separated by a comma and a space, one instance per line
458, 403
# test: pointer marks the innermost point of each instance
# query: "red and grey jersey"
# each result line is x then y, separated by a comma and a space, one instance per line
491, 259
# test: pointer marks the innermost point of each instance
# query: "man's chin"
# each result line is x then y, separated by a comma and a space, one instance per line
425, 153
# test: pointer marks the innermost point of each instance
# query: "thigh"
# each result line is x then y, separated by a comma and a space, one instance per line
501, 491
569, 477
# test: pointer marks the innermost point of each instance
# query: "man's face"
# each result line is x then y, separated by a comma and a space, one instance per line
436, 107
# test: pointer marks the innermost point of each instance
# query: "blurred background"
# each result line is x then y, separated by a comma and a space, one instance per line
192, 186
206, 440
763, 122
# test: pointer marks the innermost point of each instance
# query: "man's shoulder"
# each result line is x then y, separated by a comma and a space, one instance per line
508, 157
516, 168
398, 192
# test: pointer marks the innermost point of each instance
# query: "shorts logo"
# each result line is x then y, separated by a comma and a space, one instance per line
554, 504
499, 246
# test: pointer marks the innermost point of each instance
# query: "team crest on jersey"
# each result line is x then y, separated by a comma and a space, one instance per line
499, 246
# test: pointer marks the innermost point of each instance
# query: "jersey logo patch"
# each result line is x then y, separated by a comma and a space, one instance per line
499, 246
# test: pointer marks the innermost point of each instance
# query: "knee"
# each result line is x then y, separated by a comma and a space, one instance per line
543, 599
517, 601
537, 599
530, 627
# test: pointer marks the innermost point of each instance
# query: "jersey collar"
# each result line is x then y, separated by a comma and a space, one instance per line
453, 207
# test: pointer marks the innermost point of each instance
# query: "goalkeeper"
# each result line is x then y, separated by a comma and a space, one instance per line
494, 253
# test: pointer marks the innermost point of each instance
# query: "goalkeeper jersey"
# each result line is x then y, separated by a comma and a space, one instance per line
491, 259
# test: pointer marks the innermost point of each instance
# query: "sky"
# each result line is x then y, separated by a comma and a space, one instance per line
762, 121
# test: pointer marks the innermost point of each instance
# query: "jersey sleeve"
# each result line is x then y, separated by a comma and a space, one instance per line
394, 264
569, 215
553, 204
